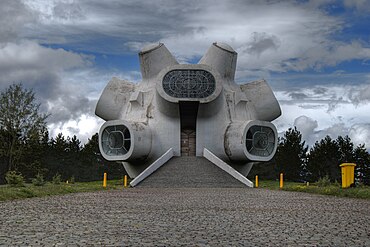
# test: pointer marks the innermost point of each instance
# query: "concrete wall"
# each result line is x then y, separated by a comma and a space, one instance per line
224, 120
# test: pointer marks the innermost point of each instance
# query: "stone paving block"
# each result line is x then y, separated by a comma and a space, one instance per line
186, 217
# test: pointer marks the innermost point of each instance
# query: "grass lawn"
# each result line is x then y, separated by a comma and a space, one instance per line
29, 190
333, 189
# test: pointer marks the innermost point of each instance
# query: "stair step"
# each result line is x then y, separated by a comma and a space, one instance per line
188, 172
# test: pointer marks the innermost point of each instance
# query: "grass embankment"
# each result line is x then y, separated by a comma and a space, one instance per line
362, 192
29, 190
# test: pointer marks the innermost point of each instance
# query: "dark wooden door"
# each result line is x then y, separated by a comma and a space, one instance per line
188, 141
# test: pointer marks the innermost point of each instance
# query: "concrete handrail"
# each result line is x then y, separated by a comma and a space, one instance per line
225, 167
153, 167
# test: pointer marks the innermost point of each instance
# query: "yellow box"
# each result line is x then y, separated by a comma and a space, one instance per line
348, 174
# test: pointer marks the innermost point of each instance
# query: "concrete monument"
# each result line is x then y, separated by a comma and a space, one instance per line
187, 110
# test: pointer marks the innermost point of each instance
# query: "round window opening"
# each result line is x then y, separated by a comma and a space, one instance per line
116, 140
260, 141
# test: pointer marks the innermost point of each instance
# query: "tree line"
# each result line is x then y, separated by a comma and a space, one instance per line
25, 145
298, 162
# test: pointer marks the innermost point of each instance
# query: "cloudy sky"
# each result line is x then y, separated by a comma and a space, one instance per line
315, 54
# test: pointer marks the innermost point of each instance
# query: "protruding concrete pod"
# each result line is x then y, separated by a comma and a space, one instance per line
221, 57
154, 58
260, 94
253, 140
114, 98
121, 140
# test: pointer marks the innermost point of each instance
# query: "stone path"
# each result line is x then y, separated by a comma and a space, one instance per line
186, 217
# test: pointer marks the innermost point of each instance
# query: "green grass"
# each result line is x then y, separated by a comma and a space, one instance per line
362, 192
29, 190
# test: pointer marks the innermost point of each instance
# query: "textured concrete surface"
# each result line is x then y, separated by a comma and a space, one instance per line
186, 217
190, 171
173, 98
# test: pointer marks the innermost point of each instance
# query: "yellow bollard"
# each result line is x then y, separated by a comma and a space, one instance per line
105, 180
256, 181
281, 180
125, 181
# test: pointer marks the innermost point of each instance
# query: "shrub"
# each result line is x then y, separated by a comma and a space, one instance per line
38, 180
337, 184
14, 179
72, 180
323, 182
57, 179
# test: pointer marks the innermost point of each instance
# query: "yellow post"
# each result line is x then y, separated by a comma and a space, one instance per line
125, 181
105, 180
256, 181
281, 180
348, 174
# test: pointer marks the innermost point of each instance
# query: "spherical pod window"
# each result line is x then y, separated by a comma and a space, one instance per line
260, 140
116, 140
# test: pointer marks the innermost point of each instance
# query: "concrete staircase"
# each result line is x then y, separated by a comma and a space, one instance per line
190, 172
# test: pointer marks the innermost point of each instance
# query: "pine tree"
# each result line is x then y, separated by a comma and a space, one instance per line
362, 160
323, 160
291, 155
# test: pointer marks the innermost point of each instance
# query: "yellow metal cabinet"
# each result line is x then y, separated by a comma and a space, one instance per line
348, 174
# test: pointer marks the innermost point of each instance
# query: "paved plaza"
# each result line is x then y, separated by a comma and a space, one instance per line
186, 217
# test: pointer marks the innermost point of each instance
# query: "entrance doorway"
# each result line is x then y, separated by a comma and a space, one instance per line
188, 121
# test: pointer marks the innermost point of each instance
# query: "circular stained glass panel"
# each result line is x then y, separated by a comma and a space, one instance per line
189, 84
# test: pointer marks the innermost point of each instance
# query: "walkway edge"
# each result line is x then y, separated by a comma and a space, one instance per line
225, 167
153, 167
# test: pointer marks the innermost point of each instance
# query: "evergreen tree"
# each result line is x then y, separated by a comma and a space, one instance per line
362, 160
326, 156
32, 160
95, 164
346, 150
264, 170
291, 155
323, 160
56, 158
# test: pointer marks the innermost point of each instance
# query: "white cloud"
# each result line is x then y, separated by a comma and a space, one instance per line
28, 54
83, 127
306, 126
359, 5
269, 36
44, 70
14, 16
326, 110
360, 134
37, 67
360, 94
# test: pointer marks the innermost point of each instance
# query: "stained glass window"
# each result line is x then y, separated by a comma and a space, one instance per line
189, 84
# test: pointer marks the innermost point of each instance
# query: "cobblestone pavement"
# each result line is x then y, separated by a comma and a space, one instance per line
186, 217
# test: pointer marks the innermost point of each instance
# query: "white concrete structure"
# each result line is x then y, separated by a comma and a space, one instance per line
187, 108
